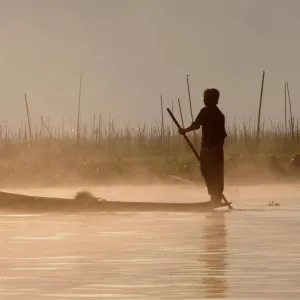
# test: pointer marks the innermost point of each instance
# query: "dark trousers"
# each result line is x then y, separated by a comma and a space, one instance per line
212, 169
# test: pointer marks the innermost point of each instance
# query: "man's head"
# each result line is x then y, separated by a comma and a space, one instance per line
211, 97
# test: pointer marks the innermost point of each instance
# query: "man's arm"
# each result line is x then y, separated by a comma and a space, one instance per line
195, 125
187, 129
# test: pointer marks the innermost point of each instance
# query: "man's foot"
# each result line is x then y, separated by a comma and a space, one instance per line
216, 199
212, 203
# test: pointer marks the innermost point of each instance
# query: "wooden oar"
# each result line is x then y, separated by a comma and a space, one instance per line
193, 149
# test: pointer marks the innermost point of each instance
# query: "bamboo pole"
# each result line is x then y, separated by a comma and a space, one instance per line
173, 128
63, 128
162, 118
190, 102
259, 111
78, 115
291, 113
93, 129
28, 119
285, 121
180, 110
47, 128
100, 128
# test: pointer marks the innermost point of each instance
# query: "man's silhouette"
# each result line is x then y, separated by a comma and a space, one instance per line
212, 121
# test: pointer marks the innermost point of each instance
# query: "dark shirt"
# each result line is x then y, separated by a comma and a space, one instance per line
212, 121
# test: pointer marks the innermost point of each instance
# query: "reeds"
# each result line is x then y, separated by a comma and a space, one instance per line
148, 140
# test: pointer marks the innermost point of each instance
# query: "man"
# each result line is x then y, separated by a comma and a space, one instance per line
212, 121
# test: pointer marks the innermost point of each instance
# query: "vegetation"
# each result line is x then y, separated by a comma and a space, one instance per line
102, 153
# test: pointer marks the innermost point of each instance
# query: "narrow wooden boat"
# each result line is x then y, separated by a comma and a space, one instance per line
87, 202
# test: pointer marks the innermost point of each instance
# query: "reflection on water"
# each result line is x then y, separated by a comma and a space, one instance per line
214, 256
154, 255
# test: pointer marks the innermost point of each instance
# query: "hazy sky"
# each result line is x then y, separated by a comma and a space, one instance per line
131, 51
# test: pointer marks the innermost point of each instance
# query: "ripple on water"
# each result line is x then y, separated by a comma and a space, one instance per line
247, 254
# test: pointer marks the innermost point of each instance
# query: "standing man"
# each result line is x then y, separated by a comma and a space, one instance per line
212, 121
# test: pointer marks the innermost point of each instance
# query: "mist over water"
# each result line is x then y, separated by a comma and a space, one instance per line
249, 253
170, 192
98, 77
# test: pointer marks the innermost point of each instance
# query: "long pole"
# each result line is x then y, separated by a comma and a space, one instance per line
63, 127
259, 110
162, 118
173, 130
93, 129
285, 123
179, 105
291, 113
190, 102
193, 149
28, 118
44, 124
78, 114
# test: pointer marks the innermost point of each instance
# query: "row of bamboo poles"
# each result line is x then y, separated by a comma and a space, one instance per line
291, 129
107, 136
249, 135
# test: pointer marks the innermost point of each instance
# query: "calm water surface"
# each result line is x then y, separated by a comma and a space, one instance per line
250, 253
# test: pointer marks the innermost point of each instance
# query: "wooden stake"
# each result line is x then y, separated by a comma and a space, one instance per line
78, 115
190, 101
291, 113
259, 111
28, 118
63, 128
100, 128
173, 129
162, 117
47, 128
179, 105
285, 122
94, 129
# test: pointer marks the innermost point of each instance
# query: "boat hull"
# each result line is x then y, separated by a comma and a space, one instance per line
18, 202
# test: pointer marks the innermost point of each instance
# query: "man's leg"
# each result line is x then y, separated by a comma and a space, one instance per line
212, 169
218, 170
221, 170
207, 171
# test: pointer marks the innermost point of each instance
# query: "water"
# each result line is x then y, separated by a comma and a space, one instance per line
250, 253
